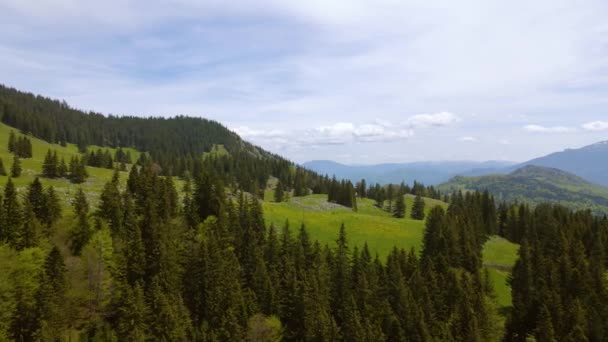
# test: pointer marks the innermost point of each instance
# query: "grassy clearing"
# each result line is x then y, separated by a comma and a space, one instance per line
369, 224
500, 252
500, 255
501, 288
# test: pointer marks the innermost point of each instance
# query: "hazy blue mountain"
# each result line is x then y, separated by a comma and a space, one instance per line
429, 172
589, 162
536, 184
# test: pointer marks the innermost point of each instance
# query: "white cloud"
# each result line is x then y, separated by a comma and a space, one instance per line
434, 120
346, 132
468, 139
596, 126
247, 132
339, 133
548, 129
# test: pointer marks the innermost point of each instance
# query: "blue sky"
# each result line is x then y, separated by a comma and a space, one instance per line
354, 81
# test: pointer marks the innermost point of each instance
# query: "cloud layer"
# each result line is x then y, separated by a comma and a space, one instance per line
548, 129
288, 74
596, 126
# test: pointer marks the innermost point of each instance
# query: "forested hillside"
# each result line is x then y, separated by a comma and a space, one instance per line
535, 185
175, 144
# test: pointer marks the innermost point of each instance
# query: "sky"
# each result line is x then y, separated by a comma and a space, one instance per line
359, 82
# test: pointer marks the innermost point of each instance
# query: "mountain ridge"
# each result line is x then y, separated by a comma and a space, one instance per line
536, 184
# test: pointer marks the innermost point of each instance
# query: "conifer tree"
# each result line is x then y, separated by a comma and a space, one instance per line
36, 198
417, 212
131, 313
50, 298
30, 229
81, 232
341, 295
134, 253
399, 208
12, 213
110, 206
390, 194
52, 207
2, 168
78, 171
12, 142
62, 169
16, 167
49, 170
278, 192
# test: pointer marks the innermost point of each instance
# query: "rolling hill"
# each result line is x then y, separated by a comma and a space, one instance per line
535, 184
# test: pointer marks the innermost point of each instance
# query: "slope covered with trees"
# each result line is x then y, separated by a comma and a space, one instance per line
534, 185
175, 144
206, 266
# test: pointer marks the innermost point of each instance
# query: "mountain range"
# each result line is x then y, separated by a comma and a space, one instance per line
588, 162
430, 172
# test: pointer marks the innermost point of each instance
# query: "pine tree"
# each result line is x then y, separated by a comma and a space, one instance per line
16, 168
278, 192
49, 166
341, 294
62, 169
12, 142
131, 314
78, 171
2, 168
168, 318
544, 330
81, 232
36, 198
417, 212
12, 213
134, 253
390, 194
110, 206
52, 207
50, 298
399, 208
30, 229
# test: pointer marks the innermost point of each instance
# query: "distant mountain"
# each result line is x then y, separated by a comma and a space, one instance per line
589, 162
536, 184
429, 173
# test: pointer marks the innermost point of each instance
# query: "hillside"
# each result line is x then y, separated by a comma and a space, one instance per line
429, 173
176, 144
535, 184
32, 167
589, 162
